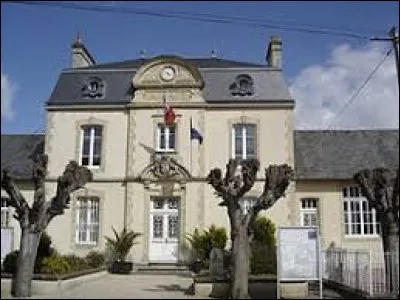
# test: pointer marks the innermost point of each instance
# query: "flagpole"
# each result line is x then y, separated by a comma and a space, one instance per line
190, 141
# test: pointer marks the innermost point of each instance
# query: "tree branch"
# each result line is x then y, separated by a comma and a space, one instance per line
249, 171
73, 178
365, 179
16, 199
39, 174
277, 179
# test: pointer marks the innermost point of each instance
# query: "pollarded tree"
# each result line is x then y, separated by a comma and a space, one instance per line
381, 188
34, 220
239, 178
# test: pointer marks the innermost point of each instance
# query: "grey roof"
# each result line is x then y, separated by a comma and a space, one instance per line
16, 153
319, 154
197, 62
218, 75
339, 154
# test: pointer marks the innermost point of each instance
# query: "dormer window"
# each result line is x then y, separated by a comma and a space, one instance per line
93, 88
243, 86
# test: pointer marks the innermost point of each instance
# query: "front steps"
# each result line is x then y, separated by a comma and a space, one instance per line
163, 269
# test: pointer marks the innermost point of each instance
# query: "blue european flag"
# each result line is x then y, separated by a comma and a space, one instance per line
195, 134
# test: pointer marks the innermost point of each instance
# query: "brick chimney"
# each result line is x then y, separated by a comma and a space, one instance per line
80, 55
274, 53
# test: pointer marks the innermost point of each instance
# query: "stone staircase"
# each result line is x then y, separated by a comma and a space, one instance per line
163, 269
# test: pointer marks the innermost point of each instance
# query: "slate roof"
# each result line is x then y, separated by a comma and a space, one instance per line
339, 154
319, 154
218, 75
16, 150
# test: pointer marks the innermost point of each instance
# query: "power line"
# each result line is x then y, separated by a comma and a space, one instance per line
232, 20
354, 96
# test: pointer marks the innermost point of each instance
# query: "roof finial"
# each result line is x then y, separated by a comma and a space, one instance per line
213, 51
78, 39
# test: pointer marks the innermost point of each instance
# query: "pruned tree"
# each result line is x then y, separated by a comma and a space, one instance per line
381, 188
34, 220
239, 178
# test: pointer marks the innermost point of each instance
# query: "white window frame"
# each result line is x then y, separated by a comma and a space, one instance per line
309, 206
92, 220
5, 213
91, 146
354, 195
244, 139
167, 129
246, 203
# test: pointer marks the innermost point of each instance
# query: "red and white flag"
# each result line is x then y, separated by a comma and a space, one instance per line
169, 114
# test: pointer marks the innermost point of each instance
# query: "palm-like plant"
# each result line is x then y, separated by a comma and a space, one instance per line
122, 243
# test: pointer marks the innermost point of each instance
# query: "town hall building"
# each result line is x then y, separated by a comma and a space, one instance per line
149, 172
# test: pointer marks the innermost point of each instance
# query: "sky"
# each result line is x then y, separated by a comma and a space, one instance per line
324, 72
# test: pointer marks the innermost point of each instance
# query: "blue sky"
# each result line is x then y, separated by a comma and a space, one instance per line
323, 71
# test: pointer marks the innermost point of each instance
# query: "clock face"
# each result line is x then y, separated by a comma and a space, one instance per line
168, 73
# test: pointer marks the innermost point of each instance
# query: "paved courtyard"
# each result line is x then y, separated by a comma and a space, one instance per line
140, 286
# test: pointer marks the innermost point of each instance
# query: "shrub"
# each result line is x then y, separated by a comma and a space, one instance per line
95, 259
44, 250
203, 242
264, 232
10, 262
263, 247
75, 262
263, 259
56, 265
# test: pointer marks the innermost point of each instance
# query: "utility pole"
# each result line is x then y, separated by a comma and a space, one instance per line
395, 42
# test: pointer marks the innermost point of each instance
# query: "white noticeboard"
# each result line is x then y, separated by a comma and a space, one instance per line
299, 255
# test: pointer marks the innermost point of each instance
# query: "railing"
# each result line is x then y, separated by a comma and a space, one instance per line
358, 270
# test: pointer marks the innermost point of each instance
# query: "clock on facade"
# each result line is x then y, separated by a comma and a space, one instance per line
167, 74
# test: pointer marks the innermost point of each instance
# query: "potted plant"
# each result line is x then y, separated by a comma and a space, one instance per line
120, 246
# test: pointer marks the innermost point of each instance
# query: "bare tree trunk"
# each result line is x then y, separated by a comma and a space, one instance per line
241, 262
21, 283
236, 183
33, 221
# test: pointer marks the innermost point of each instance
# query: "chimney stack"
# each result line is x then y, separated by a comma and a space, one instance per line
274, 53
80, 55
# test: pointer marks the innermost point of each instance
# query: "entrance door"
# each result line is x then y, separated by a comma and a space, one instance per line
164, 230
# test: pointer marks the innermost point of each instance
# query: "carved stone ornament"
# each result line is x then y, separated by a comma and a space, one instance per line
242, 86
93, 88
164, 167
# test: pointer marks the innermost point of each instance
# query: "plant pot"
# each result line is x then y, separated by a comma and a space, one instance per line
196, 266
121, 267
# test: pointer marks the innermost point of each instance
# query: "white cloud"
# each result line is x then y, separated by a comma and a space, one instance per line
8, 89
321, 91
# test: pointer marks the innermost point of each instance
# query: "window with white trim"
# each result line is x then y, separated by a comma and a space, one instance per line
166, 136
246, 203
244, 141
359, 217
5, 213
309, 212
91, 144
87, 220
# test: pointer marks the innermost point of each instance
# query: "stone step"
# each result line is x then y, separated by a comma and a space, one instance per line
163, 269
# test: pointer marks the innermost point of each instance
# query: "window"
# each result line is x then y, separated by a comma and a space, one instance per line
309, 212
359, 217
91, 144
166, 138
87, 220
246, 203
244, 141
5, 213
